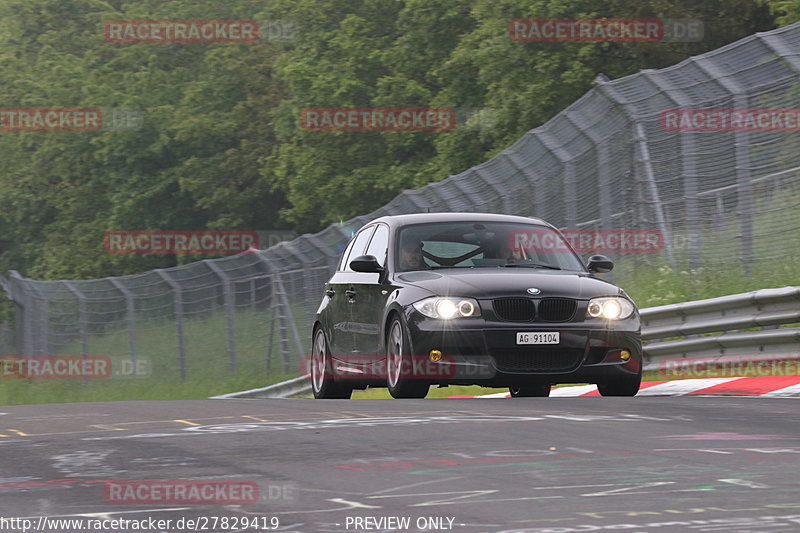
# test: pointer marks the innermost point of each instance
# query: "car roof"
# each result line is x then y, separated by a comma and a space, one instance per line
423, 218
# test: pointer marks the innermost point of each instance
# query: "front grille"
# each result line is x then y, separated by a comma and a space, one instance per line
556, 309
517, 309
536, 359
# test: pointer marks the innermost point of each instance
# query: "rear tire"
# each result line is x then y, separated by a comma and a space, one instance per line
620, 387
322, 379
539, 390
400, 379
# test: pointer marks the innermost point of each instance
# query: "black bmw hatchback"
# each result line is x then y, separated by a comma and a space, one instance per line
471, 298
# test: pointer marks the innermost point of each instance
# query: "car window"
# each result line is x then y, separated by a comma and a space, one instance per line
359, 246
475, 244
379, 244
346, 254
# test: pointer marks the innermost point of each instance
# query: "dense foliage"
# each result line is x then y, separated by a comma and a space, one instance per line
220, 145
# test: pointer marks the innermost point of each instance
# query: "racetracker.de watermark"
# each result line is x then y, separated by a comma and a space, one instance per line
730, 119
197, 31
378, 119
678, 367
181, 31
377, 367
55, 367
200, 242
605, 30
68, 119
172, 492
622, 241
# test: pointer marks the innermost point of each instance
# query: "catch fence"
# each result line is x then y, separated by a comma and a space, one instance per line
608, 162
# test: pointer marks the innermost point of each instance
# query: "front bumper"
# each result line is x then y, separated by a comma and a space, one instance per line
477, 351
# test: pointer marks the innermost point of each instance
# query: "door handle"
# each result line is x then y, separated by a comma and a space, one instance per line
351, 293
330, 293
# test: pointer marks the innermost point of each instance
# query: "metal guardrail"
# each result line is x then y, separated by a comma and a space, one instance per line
711, 328
284, 389
683, 330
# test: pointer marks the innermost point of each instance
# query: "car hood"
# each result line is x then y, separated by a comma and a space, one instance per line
503, 282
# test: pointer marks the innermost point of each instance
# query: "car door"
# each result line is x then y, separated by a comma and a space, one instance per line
370, 298
336, 313
341, 291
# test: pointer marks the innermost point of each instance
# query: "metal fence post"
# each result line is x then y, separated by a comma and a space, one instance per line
655, 198
285, 315
687, 156
689, 175
290, 317
568, 167
570, 193
131, 318
533, 179
610, 92
277, 315
229, 309
14, 289
271, 335
490, 181
741, 143
604, 184
29, 308
744, 191
82, 319
178, 307
307, 290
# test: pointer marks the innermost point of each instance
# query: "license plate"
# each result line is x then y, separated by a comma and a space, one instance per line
537, 337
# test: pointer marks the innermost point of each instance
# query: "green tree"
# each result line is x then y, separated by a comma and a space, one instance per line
786, 11
194, 163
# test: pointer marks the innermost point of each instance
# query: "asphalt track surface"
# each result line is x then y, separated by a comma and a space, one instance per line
554, 465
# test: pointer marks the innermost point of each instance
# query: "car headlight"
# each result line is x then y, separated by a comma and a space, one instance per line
447, 308
610, 308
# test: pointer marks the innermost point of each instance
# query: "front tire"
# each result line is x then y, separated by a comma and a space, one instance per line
538, 390
400, 379
322, 382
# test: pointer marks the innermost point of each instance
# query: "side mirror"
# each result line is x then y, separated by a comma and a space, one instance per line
366, 263
600, 264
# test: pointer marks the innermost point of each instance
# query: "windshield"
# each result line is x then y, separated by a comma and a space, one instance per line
473, 244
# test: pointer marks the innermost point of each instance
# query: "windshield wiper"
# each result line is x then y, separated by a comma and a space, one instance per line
530, 265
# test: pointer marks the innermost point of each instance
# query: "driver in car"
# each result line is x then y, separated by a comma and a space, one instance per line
411, 257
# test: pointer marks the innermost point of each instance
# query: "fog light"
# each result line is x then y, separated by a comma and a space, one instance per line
435, 355
617, 355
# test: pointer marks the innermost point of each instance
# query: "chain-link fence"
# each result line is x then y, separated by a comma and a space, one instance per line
728, 196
